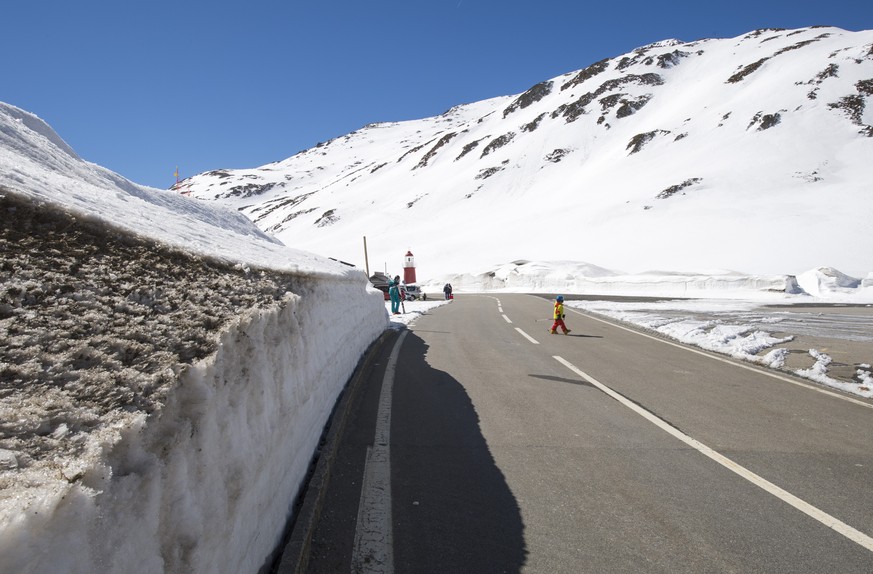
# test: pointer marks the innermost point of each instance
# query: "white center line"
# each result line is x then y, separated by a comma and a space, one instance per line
374, 539
528, 337
507, 319
826, 519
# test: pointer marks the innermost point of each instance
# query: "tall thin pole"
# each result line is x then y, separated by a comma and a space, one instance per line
366, 260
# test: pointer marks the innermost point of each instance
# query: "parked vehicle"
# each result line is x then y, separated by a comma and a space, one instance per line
413, 292
380, 281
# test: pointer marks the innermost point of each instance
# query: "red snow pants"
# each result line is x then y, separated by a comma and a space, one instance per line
559, 323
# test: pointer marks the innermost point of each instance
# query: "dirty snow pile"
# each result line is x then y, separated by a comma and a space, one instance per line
166, 369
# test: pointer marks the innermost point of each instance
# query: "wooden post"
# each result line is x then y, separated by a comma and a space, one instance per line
366, 260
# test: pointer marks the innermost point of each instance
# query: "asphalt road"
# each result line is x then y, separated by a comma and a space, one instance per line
488, 445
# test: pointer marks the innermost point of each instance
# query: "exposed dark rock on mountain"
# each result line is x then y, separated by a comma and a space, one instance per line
443, 141
674, 189
557, 155
638, 142
765, 121
529, 127
497, 143
531, 96
587, 74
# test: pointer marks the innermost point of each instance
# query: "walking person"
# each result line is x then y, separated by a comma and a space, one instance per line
559, 316
394, 295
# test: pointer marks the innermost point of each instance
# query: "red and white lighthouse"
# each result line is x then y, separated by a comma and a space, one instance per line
409, 268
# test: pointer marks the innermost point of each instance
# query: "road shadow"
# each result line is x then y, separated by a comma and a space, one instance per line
562, 380
453, 510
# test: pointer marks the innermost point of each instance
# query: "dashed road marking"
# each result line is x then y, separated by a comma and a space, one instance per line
528, 337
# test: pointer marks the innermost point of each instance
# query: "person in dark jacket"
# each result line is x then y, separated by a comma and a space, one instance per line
447, 289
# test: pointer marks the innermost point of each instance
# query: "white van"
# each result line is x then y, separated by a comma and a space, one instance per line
413, 292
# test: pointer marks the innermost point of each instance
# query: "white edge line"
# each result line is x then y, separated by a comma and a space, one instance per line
528, 337
753, 368
811, 511
374, 540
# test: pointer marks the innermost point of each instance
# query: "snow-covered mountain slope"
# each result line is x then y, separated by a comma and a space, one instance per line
751, 154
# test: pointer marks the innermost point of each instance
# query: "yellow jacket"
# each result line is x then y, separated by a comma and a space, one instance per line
559, 310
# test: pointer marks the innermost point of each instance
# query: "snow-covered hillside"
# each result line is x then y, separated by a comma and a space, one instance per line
166, 369
749, 154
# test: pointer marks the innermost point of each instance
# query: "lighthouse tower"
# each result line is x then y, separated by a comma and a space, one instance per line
409, 268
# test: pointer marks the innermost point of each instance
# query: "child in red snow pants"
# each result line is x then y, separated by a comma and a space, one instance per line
559, 316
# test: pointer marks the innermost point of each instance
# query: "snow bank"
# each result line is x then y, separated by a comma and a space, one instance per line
35, 163
166, 372
827, 282
824, 284
867, 287
206, 484
587, 279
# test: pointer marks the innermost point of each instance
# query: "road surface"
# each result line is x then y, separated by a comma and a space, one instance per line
479, 442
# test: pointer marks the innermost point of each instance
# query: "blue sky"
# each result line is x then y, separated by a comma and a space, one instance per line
141, 87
